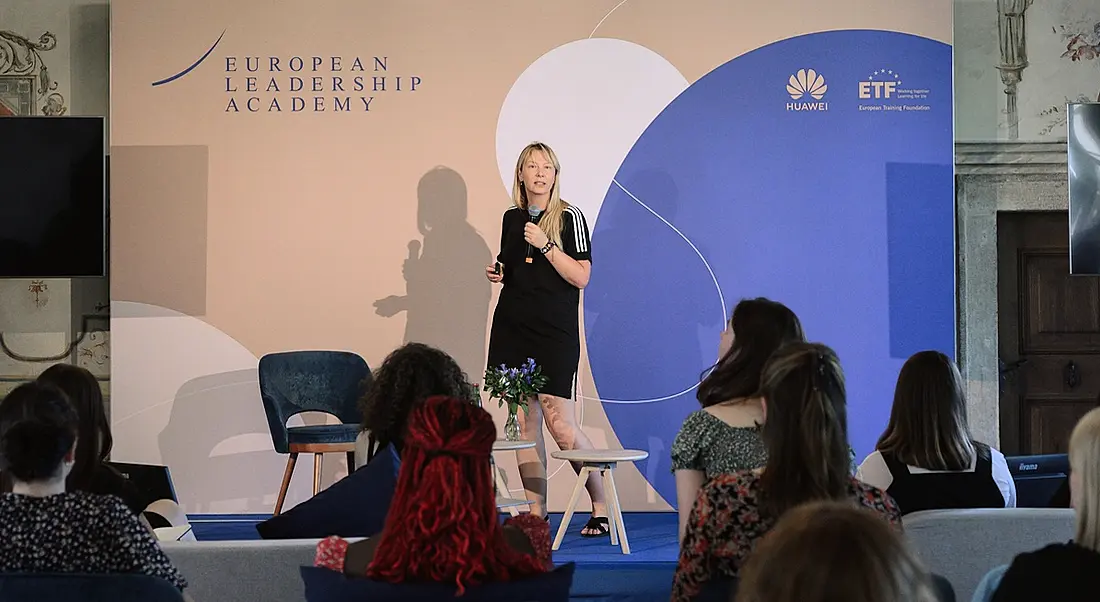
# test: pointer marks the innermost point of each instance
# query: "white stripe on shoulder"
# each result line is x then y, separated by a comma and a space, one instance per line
580, 236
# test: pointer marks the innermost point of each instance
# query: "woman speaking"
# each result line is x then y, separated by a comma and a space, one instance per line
545, 260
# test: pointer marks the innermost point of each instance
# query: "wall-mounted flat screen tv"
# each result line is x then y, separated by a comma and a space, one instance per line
1083, 123
53, 197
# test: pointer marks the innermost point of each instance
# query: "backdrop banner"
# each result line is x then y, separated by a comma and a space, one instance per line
331, 174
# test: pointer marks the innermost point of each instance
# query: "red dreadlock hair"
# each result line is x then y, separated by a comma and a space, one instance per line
443, 524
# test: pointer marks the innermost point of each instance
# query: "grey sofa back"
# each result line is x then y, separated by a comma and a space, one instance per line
963, 545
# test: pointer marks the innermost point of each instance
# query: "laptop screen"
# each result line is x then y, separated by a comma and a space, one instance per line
152, 479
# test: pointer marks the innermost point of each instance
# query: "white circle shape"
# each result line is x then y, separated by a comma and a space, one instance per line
590, 100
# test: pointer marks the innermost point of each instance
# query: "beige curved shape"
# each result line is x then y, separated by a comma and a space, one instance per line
185, 394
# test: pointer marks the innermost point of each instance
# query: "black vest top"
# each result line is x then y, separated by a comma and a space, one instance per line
945, 490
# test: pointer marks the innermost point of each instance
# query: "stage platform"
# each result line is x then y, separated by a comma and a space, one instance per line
603, 573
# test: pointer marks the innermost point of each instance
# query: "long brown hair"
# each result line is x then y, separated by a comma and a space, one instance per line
927, 425
806, 429
833, 551
760, 326
94, 435
551, 221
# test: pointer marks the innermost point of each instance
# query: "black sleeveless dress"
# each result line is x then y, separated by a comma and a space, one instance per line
537, 315
945, 490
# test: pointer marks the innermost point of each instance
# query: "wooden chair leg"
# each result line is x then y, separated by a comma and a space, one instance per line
289, 472
615, 507
582, 478
317, 459
351, 462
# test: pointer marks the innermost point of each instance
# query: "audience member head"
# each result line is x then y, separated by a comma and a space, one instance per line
805, 429
443, 524
38, 429
408, 376
833, 551
927, 425
94, 432
1084, 478
757, 328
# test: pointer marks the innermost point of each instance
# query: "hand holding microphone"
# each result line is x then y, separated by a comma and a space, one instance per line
414, 257
534, 236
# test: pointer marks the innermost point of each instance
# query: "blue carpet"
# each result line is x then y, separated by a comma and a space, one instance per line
603, 572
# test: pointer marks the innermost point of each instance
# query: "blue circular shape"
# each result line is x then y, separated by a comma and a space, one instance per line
843, 213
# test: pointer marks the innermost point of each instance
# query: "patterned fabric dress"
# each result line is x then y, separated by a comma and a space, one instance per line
707, 444
725, 525
78, 532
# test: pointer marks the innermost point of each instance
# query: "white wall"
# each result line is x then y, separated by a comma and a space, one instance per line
1049, 80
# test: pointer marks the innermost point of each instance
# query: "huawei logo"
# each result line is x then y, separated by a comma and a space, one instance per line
806, 81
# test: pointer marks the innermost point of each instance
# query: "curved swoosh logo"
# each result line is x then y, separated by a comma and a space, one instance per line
193, 65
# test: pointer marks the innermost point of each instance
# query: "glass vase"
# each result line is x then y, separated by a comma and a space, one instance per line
511, 427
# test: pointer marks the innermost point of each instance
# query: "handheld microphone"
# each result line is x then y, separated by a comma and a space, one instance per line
533, 214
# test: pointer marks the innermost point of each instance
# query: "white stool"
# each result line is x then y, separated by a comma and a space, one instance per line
604, 461
504, 499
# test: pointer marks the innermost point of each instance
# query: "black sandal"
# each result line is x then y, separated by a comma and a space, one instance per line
598, 523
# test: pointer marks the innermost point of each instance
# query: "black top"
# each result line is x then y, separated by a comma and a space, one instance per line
943, 490
537, 314
77, 532
1063, 572
538, 281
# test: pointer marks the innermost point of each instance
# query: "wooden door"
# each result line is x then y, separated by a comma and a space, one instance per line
1049, 330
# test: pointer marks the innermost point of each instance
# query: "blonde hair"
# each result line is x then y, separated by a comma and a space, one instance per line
1084, 461
551, 222
833, 551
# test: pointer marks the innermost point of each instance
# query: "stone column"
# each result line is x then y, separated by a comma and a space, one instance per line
1011, 33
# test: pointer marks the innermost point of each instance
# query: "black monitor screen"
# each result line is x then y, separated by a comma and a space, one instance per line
52, 197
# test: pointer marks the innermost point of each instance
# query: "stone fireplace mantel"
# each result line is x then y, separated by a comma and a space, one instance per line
990, 178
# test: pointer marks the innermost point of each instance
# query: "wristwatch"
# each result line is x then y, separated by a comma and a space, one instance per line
549, 245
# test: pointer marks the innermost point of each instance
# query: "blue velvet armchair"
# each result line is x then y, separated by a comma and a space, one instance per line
312, 381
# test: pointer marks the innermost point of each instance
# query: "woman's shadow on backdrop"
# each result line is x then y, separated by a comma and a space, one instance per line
446, 300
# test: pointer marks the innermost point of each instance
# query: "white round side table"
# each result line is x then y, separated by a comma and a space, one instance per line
604, 462
504, 499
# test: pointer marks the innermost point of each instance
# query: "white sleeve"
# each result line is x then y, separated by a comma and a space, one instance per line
1003, 477
874, 472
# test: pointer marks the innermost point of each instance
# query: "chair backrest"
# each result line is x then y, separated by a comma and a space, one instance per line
324, 585
963, 545
54, 587
717, 590
243, 570
293, 382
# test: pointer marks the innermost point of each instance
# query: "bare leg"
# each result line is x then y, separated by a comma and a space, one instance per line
532, 461
561, 419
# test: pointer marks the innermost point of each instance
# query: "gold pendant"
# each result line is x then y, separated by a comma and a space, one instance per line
530, 260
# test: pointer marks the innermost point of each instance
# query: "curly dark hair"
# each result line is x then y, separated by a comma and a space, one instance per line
408, 376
